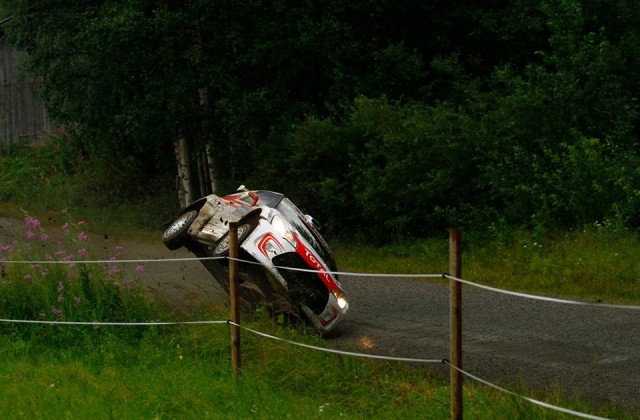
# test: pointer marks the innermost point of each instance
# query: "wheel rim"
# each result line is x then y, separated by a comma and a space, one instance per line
177, 226
223, 245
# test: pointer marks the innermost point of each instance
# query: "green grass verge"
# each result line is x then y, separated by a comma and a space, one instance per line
185, 372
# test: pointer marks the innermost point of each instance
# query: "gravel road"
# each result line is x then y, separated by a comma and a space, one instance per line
591, 352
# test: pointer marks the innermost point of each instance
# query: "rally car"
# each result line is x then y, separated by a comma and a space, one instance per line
285, 264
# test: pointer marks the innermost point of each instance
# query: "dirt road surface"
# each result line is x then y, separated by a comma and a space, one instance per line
591, 352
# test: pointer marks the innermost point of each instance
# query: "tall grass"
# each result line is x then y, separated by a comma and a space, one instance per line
47, 278
50, 180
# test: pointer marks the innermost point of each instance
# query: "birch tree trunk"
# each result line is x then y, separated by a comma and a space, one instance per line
185, 189
211, 165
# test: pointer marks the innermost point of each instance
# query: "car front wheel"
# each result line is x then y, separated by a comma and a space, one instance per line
176, 233
222, 248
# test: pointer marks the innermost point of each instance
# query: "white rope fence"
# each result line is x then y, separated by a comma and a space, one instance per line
531, 400
539, 297
316, 348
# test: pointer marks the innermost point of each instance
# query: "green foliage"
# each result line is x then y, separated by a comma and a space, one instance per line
54, 178
492, 116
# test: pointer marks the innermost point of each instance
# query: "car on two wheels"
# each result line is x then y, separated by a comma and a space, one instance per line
285, 264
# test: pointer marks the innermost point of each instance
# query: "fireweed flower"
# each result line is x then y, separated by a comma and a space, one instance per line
77, 301
30, 235
82, 252
65, 227
139, 268
31, 222
56, 312
119, 249
82, 236
113, 270
44, 237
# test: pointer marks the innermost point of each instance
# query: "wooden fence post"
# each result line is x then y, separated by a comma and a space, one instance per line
455, 321
234, 299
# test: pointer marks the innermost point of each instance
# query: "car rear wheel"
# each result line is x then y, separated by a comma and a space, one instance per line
222, 248
176, 233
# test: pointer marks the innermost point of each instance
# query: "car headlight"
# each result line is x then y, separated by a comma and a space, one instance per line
281, 228
341, 299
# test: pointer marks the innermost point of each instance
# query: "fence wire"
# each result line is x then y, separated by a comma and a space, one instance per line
333, 351
531, 400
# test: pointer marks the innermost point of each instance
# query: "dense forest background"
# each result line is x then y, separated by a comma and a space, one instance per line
381, 118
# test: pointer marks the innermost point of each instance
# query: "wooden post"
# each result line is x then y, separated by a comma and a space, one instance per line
455, 321
234, 299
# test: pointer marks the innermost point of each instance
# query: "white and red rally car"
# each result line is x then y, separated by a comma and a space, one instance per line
295, 269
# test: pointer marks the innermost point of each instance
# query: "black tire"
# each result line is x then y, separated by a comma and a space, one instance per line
175, 235
222, 247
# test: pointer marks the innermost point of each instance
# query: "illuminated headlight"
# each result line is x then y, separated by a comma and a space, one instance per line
341, 299
281, 229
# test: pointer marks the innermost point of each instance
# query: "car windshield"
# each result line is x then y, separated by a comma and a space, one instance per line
299, 221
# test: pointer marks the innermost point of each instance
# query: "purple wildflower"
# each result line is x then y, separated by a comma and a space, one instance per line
28, 277
31, 222
82, 252
139, 268
44, 237
77, 301
113, 270
82, 236
56, 312
60, 298
30, 235
65, 227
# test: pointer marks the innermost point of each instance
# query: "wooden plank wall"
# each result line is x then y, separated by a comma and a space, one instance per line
22, 114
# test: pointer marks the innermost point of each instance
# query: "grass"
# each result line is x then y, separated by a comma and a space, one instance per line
596, 263
185, 371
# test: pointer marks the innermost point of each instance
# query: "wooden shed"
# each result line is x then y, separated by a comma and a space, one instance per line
22, 114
